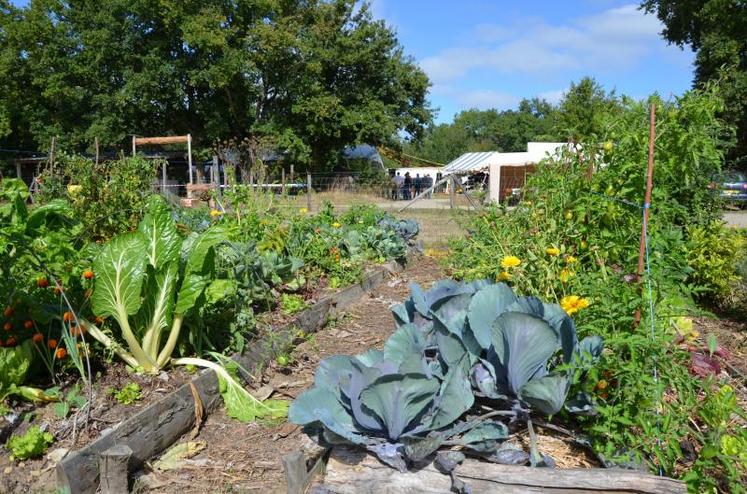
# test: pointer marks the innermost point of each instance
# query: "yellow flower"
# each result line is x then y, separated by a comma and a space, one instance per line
336, 224
510, 262
215, 213
602, 385
565, 275
571, 260
303, 210
504, 276
552, 251
573, 303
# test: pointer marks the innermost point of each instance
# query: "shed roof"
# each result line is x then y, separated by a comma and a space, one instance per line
473, 162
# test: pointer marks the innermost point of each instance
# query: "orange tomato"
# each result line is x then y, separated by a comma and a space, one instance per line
52, 343
37, 338
60, 354
28, 324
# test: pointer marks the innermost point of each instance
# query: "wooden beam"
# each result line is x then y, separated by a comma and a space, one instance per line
140, 141
353, 471
113, 465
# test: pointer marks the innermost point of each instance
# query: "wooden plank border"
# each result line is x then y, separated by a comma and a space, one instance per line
162, 423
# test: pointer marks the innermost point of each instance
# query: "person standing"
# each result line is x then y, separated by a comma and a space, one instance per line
428, 183
399, 183
407, 189
418, 182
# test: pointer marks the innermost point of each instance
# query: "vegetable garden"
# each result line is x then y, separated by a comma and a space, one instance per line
114, 296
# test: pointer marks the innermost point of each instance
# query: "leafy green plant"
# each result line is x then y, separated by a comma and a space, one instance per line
129, 394
291, 303
72, 399
15, 363
33, 443
713, 254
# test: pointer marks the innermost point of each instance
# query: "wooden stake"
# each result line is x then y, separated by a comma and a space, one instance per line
308, 191
96, 147
282, 180
113, 467
646, 203
452, 192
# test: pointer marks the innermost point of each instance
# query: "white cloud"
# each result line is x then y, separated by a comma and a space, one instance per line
553, 97
485, 99
616, 38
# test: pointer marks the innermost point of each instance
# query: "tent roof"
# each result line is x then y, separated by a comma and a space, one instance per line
474, 162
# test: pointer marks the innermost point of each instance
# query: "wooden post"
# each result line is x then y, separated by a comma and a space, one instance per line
134, 145
113, 467
452, 192
646, 204
19, 173
308, 191
282, 180
189, 162
294, 466
96, 148
52, 152
292, 175
164, 175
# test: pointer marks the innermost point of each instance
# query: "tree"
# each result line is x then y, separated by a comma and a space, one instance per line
581, 112
489, 130
314, 75
716, 30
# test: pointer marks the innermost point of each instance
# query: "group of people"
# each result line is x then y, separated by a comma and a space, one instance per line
406, 187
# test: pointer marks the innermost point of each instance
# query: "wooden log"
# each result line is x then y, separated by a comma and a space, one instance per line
147, 433
294, 467
140, 141
113, 465
353, 471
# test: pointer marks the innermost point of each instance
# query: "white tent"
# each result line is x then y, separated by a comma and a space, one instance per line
492, 162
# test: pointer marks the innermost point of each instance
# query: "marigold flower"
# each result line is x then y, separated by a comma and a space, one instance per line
336, 224
303, 210
504, 276
573, 303
552, 251
602, 385
214, 213
510, 262
565, 275
571, 260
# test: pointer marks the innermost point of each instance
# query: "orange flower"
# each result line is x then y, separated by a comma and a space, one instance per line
8, 326
10, 341
37, 338
88, 274
28, 324
60, 354
8, 311
68, 316
42, 283
52, 343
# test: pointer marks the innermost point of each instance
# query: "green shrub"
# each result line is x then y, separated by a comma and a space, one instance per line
714, 253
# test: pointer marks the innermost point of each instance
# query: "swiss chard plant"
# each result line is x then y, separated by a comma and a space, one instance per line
149, 281
463, 353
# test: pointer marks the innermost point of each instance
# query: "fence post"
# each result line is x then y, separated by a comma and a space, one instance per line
96, 145
282, 181
308, 191
292, 174
452, 192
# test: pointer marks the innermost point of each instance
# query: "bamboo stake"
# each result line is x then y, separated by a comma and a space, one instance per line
646, 204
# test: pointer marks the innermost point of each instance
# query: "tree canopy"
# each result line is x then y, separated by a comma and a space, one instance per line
313, 75
717, 31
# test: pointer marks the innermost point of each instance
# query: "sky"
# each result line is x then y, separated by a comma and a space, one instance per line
491, 54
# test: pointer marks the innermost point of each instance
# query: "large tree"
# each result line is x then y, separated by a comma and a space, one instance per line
717, 31
313, 75
582, 111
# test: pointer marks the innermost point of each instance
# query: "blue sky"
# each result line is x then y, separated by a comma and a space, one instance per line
491, 54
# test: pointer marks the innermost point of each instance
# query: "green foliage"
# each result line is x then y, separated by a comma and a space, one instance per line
312, 76
31, 444
14, 366
713, 254
129, 394
72, 399
582, 112
717, 31
108, 198
291, 303
575, 240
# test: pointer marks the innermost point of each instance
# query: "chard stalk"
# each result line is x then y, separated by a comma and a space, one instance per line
111, 344
165, 354
143, 359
